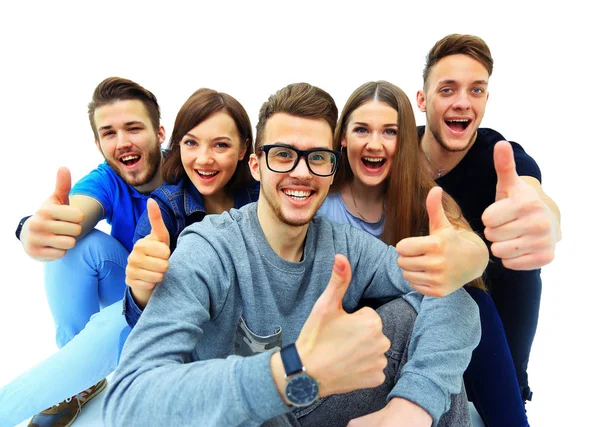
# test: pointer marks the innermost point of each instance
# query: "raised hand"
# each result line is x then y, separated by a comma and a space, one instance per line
436, 265
343, 351
54, 228
149, 259
522, 228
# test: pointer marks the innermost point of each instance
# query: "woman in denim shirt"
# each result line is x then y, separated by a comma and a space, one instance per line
206, 172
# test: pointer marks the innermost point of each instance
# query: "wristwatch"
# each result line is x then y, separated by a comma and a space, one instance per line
20, 226
301, 389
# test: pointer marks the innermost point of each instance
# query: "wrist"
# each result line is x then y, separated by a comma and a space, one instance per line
20, 226
278, 374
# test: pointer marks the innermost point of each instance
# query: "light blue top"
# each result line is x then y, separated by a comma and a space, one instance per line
181, 364
334, 208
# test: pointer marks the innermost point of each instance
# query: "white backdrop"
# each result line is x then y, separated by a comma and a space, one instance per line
543, 95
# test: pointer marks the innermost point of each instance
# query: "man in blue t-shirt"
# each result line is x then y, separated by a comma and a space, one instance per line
85, 268
496, 184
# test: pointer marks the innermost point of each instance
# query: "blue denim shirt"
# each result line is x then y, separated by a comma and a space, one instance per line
180, 205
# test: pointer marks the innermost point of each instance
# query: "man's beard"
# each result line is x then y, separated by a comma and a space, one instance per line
154, 158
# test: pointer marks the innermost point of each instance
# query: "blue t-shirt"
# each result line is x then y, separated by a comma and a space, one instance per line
335, 209
122, 204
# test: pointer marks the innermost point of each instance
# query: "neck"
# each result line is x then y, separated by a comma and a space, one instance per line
363, 201
153, 184
287, 241
218, 203
436, 158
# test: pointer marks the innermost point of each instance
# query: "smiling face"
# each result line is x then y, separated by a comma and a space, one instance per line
371, 139
454, 100
293, 197
210, 153
129, 143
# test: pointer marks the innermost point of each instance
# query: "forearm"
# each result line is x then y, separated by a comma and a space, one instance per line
444, 335
232, 391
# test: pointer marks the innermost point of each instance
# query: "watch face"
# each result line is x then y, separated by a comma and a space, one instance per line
301, 390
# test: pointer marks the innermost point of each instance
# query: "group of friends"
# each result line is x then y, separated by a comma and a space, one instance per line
338, 269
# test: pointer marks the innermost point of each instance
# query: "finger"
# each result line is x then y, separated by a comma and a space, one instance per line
61, 228
428, 263
504, 162
511, 249
44, 253
338, 283
146, 276
505, 232
435, 210
530, 261
64, 213
416, 246
499, 213
159, 230
151, 248
140, 284
51, 241
63, 186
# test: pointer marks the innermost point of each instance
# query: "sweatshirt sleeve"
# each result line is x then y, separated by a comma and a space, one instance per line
445, 333
157, 383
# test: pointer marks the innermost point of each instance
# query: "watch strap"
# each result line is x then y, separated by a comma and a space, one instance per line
291, 360
20, 226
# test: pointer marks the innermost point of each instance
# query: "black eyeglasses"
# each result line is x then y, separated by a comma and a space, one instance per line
283, 158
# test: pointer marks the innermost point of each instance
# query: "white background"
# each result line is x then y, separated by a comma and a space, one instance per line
544, 93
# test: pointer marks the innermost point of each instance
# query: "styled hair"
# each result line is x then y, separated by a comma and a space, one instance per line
455, 44
408, 183
299, 100
200, 106
115, 89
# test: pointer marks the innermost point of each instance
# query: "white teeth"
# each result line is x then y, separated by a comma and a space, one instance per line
373, 159
459, 120
127, 158
212, 173
297, 194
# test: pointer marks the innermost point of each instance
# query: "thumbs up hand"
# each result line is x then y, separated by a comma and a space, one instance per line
522, 228
149, 259
440, 263
54, 228
343, 351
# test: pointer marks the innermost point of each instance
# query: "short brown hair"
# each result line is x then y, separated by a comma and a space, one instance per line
299, 100
115, 89
200, 106
455, 44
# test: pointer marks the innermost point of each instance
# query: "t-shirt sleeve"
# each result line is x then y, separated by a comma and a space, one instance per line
526, 166
100, 185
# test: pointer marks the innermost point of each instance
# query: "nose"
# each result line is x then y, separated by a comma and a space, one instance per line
375, 143
204, 156
301, 169
122, 140
462, 101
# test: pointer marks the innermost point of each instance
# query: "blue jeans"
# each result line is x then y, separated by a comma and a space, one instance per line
85, 289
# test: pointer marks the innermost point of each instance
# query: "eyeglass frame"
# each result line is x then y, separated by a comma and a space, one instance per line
301, 153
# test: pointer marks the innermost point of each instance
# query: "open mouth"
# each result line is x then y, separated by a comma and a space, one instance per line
458, 125
298, 195
206, 174
130, 160
373, 162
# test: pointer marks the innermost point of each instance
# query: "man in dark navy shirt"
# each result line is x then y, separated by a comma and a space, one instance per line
496, 184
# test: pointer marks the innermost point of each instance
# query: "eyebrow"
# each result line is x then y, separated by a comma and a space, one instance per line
214, 139
134, 122
284, 144
451, 81
367, 125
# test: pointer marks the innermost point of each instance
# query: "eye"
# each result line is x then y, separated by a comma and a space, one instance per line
390, 132
446, 91
222, 145
135, 129
189, 142
108, 134
478, 91
280, 153
361, 130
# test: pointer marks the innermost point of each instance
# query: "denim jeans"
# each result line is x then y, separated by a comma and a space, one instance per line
85, 290
398, 318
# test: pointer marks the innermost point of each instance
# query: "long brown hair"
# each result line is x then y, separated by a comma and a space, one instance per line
408, 184
201, 105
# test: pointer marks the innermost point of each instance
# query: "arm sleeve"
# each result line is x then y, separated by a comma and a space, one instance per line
445, 333
100, 185
157, 381
525, 164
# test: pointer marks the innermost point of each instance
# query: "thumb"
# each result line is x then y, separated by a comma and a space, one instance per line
338, 284
435, 210
504, 162
159, 231
63, 186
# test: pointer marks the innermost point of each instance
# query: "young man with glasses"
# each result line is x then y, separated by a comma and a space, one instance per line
248, 327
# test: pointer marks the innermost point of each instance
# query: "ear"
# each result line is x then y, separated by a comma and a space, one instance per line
243, 150
421, 101
254, 163
161, 134
344, 143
